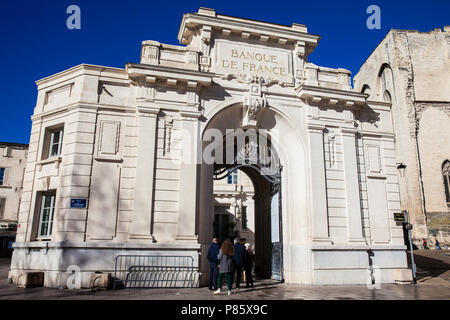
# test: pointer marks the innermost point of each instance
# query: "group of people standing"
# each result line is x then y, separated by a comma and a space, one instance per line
436, 244
226, 260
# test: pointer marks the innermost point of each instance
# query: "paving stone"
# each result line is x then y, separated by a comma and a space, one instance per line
436, 288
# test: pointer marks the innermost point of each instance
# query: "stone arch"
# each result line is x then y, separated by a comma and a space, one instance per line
367, 90
290, 144
387, 96
213, 112
385, 80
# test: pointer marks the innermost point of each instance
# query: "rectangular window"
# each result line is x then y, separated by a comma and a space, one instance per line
2, 207
244, 217
232, 177
56, 139
2, 176
47, 210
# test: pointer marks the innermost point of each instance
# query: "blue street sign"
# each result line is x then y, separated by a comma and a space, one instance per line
78, 203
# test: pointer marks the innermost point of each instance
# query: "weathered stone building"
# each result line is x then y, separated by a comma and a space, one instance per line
411, 70
13, 158
143, 145
12, 167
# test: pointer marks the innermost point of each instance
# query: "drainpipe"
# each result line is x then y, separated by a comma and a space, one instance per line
422, 191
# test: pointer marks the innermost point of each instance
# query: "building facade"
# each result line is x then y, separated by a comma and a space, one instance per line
411, 70
13, 158
123, 161
12, 167
234, 208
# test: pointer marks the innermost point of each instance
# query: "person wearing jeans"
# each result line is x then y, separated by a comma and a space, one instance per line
225, 257
238, 259
213, 251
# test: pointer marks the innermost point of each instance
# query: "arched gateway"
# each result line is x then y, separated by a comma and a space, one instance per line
239, 143
122, 162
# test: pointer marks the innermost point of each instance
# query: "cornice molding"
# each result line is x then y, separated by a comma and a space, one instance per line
150, 73
77, 71
284, 34
331, 96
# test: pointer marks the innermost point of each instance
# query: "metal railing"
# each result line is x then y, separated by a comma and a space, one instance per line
150, 271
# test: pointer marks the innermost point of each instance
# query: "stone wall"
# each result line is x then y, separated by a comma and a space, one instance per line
13, 159
414, 68
433, 138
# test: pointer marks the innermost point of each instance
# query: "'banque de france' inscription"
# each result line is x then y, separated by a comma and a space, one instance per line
246, 59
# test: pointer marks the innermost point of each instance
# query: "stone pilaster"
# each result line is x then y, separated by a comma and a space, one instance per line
26, 216
353, 200
141, 225
320, 232
188, 177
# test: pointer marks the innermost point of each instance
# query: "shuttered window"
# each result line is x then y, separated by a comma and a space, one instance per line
47, 210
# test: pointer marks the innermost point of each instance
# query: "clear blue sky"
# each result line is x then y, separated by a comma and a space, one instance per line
36, 42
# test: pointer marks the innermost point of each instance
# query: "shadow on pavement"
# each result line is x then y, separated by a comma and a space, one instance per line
431, 263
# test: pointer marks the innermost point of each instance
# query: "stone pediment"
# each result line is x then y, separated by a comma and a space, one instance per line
233, 51
247, 28
231, 45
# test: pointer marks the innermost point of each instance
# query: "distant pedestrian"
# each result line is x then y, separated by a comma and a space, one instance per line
248, 265
437, 244
425, 245
238, 259
213, 251
225, 257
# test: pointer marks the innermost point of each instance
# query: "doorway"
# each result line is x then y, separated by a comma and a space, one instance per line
266, 220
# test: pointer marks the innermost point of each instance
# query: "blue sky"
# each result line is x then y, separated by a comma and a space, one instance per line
36, 42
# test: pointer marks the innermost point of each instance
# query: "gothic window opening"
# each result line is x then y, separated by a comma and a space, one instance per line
387, 96
446, 175
366, 89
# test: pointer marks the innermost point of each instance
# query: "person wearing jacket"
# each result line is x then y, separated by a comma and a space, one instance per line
238, 259
248, 265
213, 251
437, 244
225, 257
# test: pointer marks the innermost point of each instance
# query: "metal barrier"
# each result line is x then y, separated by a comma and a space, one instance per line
140, 271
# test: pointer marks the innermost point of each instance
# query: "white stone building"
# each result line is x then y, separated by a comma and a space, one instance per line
411, 70
13, 158
120, 160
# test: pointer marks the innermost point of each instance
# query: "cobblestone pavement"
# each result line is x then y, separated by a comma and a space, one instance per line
433, 283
